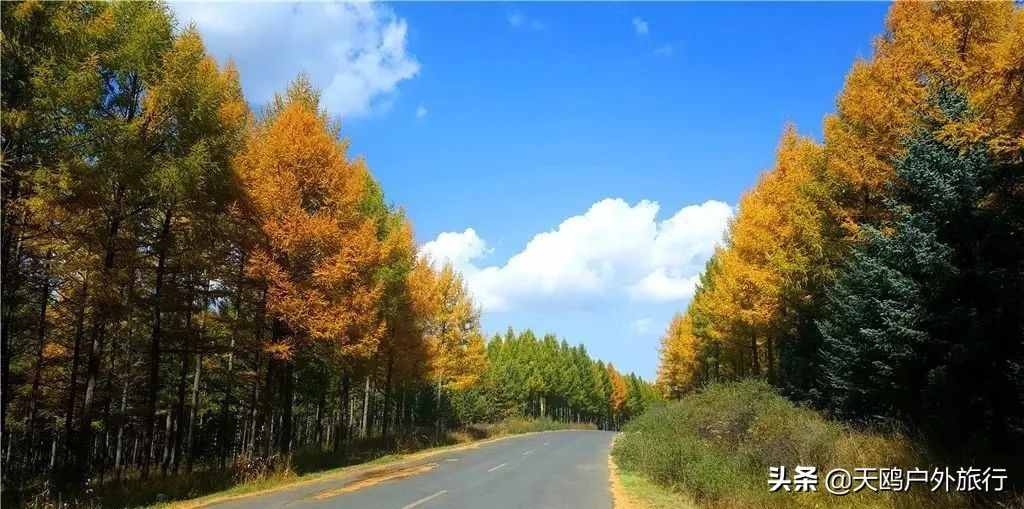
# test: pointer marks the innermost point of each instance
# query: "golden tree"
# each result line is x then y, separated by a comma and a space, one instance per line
317, 252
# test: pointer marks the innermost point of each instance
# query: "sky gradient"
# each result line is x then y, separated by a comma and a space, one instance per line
577, 162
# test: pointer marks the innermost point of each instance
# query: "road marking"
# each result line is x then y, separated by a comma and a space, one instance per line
528, 452
452, 459
497, 467
425, 499
547, 443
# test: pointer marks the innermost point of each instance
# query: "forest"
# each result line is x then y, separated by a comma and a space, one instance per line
190, 284
878, 274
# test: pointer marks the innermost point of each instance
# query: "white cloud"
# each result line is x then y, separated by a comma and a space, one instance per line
516, 18
640, 26
642, 326
519, 19
421, 111
459, 249
612, 250
665, 50
354, 52
660, 285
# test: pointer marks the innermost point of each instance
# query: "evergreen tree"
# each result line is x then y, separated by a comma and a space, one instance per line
925, 323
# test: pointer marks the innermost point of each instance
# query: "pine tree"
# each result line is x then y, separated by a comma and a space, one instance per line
925, 324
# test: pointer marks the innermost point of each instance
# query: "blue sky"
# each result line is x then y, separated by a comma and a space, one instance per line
577, 162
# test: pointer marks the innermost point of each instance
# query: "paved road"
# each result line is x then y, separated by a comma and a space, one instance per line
561, 469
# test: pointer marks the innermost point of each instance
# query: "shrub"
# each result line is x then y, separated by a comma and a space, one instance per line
717, 445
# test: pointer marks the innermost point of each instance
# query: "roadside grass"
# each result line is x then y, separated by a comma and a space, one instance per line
715, 447
208, 484
646, 494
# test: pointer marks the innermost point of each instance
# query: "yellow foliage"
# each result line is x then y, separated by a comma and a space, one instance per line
794, 226
973, 47
678, 367
456, 344
617, 398
318, 252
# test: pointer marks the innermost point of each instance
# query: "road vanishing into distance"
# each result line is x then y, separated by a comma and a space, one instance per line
558, 469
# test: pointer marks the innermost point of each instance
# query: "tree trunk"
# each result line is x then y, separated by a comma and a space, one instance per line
341, 436
318, 429
755, 363
153, 389
387, 395
40, 343
366, 408
118, 464
255, 403
287, 397
226, 421
95, 344
179, 408
165, 462
266, 416
438, 420
11, 264
192, 412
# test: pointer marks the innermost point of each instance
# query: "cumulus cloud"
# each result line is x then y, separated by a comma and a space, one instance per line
660, 285
354, 52
613, 249
459, 249
640, 26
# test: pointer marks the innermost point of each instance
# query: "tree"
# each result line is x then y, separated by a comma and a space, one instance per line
678, 366
925, 324
926, 46
317, 251
457, 355
203, 115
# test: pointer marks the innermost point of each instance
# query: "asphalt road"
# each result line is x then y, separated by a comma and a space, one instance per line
560, 469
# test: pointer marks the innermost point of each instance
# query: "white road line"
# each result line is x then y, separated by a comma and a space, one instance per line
547, 443
425, 499
452, 459
497, 467
528, 452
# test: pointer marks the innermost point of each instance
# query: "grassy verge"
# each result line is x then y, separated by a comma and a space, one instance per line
645, 494
716, 447
208, 484
631, 490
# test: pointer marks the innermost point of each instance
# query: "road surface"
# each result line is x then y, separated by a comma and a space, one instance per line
559, 469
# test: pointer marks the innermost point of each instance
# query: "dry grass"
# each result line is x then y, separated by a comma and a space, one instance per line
716, 446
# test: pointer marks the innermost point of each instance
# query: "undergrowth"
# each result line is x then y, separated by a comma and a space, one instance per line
259, 473
717, 445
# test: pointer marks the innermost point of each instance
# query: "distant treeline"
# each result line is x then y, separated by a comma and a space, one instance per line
532, 377
879, 274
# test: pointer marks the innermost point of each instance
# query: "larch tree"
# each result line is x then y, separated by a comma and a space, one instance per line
318, 249
974, 47
454, 339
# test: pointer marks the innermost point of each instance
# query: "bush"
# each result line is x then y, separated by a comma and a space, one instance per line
717, 445
517, 425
